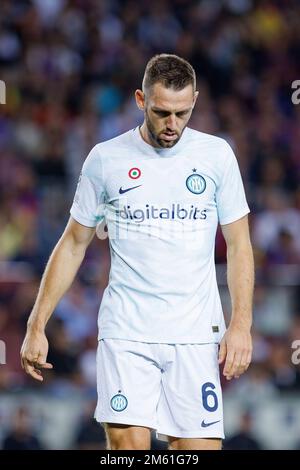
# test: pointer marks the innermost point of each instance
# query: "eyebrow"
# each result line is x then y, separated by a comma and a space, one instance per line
169, 112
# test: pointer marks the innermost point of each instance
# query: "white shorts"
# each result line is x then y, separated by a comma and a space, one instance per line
172, 388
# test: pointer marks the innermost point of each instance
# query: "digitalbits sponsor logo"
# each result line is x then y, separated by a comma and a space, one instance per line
141, 221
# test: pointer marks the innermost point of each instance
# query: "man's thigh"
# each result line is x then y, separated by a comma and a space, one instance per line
190, 406
124, 437
176, 443
128, 383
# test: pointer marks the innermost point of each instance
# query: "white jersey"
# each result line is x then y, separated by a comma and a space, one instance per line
162, 208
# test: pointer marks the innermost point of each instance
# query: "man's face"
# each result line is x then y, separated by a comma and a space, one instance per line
167, 113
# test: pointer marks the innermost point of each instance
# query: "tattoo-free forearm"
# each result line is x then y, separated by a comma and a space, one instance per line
240, 277
59, 274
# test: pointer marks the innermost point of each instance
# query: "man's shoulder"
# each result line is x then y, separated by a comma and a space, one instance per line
118, 146
115, 144
203, 138
215, 151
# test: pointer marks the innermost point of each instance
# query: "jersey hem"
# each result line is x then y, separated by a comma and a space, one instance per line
83, 220
161, 341
201, 434
234, 218
102, 419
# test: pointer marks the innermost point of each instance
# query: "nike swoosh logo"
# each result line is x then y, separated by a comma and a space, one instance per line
122, 191
205, 425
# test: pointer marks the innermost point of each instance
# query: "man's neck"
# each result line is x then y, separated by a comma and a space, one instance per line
145, 135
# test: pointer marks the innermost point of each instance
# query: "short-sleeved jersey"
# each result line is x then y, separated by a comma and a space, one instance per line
162, 208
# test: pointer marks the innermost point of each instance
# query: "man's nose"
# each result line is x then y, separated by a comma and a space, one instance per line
171, 122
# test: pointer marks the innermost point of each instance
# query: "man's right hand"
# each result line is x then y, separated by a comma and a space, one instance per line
34, 354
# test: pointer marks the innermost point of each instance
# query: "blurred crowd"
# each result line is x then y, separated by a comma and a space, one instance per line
70, 68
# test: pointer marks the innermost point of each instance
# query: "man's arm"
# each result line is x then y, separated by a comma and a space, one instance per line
59, 274
236, 345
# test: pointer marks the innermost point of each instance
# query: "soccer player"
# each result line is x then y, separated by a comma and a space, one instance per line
161, 188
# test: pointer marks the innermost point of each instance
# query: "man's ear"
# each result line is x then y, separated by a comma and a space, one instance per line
195, 97
140, 99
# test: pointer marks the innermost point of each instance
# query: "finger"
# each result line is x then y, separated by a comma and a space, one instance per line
45, 365
27, 359
244, 363
42, 363
249, 357
228, 364
236, 367
222, 352
236, 364
34, 373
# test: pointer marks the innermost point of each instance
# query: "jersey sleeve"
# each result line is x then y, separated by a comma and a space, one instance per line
89, 198
230, 195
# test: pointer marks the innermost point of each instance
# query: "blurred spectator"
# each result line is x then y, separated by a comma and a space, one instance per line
243, 439
283, 249
255, 387
78, 313
88, 363
21, 436
286, 377
277, 227
90, 434
63, 354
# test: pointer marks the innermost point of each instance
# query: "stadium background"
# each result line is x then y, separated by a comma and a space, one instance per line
70, 69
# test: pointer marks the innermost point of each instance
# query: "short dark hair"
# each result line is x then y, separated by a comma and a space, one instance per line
170, 70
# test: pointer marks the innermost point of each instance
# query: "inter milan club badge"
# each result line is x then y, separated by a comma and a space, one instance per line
134, 173
118, 402
195, 183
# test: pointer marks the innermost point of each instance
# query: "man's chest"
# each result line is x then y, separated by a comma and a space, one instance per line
160, 181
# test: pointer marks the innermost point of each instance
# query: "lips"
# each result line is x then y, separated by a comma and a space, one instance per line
169, 136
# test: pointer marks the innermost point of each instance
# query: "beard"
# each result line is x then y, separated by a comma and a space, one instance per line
155, 137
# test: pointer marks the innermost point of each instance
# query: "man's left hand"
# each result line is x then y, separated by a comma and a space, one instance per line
236, 348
